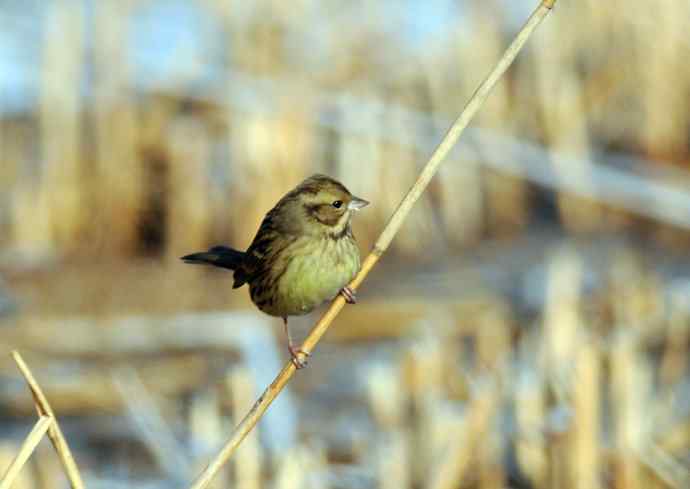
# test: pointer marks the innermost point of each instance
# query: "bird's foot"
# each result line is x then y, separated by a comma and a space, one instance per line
295, 353
349, 295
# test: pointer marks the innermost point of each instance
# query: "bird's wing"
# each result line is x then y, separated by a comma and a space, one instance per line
264, 254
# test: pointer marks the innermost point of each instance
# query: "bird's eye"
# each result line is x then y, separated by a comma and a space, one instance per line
337, 204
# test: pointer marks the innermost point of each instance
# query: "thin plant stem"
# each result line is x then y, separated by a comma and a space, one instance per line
28, 447
382, 243
54, 431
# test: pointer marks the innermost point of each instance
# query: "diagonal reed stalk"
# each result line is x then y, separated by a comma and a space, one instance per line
28, 447
54, 431
384, 240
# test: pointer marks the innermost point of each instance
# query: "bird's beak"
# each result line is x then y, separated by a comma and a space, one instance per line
356, 203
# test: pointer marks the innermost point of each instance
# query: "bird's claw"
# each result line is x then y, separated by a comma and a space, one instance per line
349, 295
295, 359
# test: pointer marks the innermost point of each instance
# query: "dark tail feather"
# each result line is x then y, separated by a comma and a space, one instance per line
219, 256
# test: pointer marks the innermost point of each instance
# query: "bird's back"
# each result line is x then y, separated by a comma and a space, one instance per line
264, 253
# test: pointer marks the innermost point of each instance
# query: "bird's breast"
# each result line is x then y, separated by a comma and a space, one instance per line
315, 272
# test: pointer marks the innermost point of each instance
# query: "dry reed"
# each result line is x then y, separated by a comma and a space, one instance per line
248, 462
585, 451
27, 448
61, 125
54, 432
421, 410
387, 400
101, 186
118, 167
450, 469
206, 426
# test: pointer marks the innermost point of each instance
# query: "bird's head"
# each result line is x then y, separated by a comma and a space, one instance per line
325, 205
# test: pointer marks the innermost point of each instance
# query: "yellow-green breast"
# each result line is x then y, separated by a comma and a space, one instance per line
316, 271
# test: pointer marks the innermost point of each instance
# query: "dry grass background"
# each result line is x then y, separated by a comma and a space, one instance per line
175, 167
486, 353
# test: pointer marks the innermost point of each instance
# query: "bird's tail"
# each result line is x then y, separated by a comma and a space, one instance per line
219, 256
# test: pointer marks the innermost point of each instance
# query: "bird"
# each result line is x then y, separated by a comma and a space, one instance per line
303, 254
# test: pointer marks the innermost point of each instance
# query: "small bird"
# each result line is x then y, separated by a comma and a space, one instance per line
303, 254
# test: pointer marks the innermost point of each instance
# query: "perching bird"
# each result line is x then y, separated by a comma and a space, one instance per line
303, 254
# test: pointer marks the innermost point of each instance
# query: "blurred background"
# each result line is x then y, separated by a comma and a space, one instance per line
528, 328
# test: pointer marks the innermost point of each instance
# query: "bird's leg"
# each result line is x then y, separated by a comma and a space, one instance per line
349, 295
294, 351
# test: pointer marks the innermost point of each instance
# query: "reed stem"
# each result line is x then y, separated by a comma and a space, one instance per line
28, 447
54, 431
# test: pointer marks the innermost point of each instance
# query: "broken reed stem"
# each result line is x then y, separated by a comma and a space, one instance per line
54, 431
384, 240
28, 447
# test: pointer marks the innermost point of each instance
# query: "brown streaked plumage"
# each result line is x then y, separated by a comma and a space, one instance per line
303, 254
